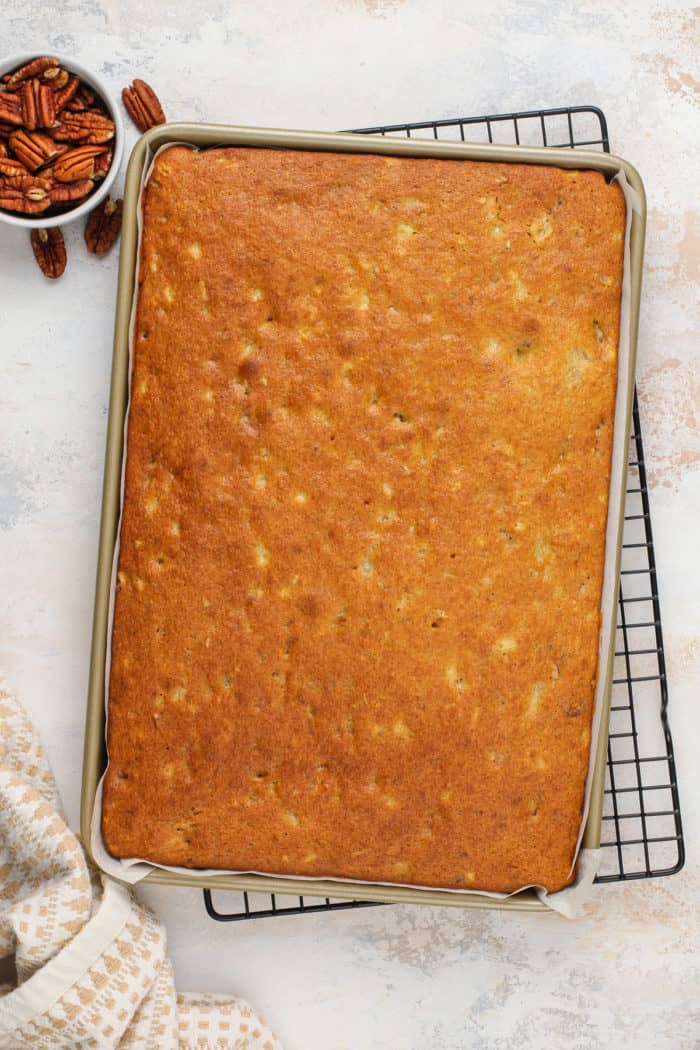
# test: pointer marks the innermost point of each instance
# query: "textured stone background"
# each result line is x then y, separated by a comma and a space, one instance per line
399, 978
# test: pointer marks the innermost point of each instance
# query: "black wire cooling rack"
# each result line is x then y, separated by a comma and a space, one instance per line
642, 834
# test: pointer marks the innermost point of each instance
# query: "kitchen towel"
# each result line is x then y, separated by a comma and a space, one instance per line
90, 961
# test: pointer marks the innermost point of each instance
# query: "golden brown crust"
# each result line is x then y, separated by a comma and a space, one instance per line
366, 490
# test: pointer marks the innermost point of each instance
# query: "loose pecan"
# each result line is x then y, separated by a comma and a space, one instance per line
3, 149
49, 251
10, 166
103, 226
77, 163
28, 194
34, 149
32, 69
66, 92
69, 192
102, 164
142, 105
83, 99
89, 126
6, 129
10, 108
38, 105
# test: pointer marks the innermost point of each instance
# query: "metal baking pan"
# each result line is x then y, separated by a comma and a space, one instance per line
205, 135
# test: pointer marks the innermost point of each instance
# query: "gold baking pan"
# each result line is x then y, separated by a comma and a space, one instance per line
203, 135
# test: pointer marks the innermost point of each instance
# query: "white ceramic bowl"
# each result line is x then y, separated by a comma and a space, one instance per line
98, 85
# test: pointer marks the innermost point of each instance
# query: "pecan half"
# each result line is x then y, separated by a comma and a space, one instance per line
49, 251
10, 166
103, 226
56, 76
38, 105
83, 99
6, 129
69, 192
102, 164
27, 194
46, 105
3, 149
33, 69
142, 105
10, 108
89, 127
77, 163
28, 93
34, 149
65, 93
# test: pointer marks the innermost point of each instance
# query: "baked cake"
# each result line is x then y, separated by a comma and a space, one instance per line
361, 552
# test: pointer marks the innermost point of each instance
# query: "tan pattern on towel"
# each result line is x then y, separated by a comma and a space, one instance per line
91, 961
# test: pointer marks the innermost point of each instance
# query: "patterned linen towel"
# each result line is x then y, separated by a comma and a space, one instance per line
90, 961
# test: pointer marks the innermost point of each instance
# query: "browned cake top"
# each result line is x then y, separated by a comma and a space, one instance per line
362, 542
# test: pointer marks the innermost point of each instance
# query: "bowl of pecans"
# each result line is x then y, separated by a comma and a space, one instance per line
61, 141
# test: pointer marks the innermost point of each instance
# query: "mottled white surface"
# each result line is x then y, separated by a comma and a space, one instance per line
395, 978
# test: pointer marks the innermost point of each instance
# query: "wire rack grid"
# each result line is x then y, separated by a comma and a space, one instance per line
641, 835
